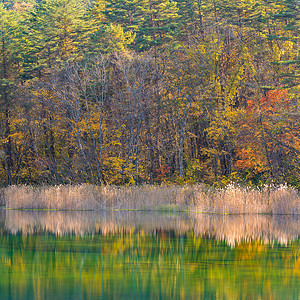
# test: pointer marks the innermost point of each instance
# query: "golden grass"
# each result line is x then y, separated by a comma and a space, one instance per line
231, 200
2, 200
233, 229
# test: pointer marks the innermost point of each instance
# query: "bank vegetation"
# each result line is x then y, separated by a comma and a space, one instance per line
197, 198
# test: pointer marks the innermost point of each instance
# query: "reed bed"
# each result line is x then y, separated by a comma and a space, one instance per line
2, 197
233, 199
233, 229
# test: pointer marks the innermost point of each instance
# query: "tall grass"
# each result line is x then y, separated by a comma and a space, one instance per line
233, 199
233, 229
2, 197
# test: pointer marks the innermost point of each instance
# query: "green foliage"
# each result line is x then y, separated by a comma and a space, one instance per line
57, 31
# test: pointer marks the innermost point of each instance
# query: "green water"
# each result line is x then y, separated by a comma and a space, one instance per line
140, 256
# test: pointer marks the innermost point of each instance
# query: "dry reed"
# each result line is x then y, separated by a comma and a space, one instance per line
2, 197
231, 200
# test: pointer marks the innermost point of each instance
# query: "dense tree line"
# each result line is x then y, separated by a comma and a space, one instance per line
134, 91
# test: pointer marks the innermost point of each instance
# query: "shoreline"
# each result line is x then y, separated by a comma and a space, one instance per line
160, 211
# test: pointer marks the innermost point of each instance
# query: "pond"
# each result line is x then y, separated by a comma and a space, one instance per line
144, 255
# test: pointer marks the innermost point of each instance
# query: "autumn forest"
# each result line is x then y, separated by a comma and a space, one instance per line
150, 91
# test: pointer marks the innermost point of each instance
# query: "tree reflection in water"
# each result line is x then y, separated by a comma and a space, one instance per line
138, 255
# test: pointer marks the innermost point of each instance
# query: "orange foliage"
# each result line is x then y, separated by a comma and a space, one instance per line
250, 159
274, 99
162, 173
258, 121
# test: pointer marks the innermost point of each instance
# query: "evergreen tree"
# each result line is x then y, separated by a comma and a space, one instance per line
10, 68
107, 35
128, 13
289, 35
192, 16
57, 31
159, 25
154, 22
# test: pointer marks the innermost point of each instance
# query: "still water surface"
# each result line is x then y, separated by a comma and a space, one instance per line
137, 255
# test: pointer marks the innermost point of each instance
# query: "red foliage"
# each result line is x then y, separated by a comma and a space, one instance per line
273, 100
162, 173
260, 118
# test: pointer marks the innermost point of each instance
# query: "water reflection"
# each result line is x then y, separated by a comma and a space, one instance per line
136, 255
233, 229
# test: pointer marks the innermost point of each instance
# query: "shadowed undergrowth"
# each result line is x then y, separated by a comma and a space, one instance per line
232, 199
